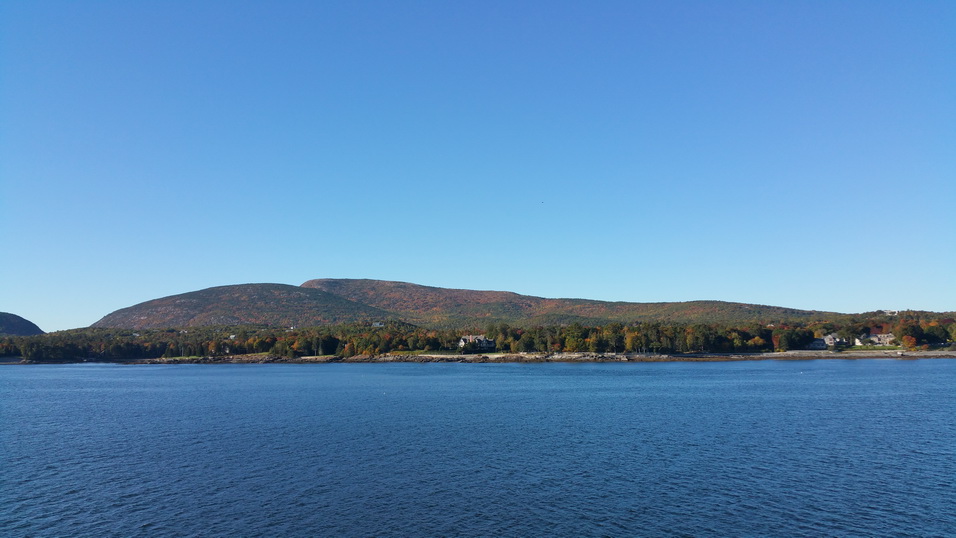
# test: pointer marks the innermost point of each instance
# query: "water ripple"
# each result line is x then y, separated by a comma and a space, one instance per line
776, 448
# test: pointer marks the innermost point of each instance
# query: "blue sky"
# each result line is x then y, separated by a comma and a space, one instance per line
799, 154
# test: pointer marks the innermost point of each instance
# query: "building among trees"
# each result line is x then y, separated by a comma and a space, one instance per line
475, 343
885, 339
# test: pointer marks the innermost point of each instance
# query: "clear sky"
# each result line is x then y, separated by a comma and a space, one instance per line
798, 154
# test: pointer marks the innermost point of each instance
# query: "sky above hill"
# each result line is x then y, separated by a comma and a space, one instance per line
798, 154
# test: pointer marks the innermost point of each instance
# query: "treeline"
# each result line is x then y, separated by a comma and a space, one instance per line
368, 339
125, 345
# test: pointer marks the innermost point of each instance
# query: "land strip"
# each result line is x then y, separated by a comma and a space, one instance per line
262, 358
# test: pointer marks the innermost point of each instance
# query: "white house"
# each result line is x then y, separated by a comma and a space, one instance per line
833, 340
877, 339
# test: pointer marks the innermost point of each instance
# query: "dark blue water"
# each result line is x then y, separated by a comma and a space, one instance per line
864, 447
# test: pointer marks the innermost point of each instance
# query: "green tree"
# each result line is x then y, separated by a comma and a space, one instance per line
935, 334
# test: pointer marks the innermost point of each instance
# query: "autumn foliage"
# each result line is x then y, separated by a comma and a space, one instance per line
379, 338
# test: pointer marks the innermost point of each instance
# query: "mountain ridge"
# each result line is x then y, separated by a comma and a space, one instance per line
330, 301
430, 305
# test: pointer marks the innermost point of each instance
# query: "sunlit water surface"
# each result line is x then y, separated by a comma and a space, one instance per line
863, 447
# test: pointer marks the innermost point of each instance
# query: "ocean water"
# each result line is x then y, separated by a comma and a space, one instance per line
770, 448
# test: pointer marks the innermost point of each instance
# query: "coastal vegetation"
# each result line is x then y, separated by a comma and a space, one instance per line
914, 331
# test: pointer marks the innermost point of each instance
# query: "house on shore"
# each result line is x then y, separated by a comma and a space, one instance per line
884, 339
833, 339
478, 342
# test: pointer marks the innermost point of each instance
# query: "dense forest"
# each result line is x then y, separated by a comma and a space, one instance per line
94, 344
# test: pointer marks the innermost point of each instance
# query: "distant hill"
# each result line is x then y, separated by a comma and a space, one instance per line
14, 325
277, 305
328, 301
443, 307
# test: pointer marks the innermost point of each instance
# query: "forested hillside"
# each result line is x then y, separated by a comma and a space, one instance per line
450, 308
340, 301
14, 325
276, 305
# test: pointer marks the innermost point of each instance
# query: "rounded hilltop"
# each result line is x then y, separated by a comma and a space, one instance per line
14, 325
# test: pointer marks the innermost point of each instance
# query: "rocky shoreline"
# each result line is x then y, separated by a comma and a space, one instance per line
537, 357
552, 357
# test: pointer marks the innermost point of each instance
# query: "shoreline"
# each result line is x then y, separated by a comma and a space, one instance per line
534, 357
